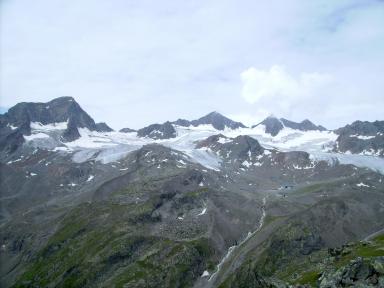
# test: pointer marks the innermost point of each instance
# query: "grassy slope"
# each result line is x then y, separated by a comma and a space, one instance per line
111, 245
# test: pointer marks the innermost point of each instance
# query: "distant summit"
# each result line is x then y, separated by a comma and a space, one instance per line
215, 119
274, 125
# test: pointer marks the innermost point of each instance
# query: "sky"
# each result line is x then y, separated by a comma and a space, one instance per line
134, 63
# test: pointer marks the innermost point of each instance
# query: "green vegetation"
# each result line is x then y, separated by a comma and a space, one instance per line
111, 243
294, 255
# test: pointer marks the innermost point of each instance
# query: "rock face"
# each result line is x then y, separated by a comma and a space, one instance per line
234, 149
361, 137
304, 125
274, 125
158, 131
215, 119
17, 121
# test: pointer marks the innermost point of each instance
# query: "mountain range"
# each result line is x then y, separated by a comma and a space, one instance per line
188, 203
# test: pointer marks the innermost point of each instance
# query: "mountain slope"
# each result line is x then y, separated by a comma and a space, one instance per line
185, 206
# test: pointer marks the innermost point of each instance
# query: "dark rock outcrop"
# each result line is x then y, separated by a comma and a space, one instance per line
361, 137
127, 130
158, 131
103, 127
360, 272
238, 149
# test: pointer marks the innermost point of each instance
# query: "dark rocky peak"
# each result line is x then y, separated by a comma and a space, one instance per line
17, 121
218, 121
272, 125
304, 125
103, 127
61, 109
158, 131
127, 130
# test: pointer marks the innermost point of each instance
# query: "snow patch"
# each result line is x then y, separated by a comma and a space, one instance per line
34, 136
246, 164
202, 212
362, 137
11, 126
49, 127
361, 184
14, 161
90, 178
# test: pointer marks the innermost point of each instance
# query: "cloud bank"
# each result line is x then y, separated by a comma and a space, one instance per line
277, 87
133, 63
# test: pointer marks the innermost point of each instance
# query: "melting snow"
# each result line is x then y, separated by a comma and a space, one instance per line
34, 136
11, 126
361, 184
202, 212
205, 274
362, 137
90, 178
112, 146
246, 164
13, 161
224, 140
49, 127
182, 162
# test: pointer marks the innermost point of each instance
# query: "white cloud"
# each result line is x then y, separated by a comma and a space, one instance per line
163, 61
277, 85
275, 91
